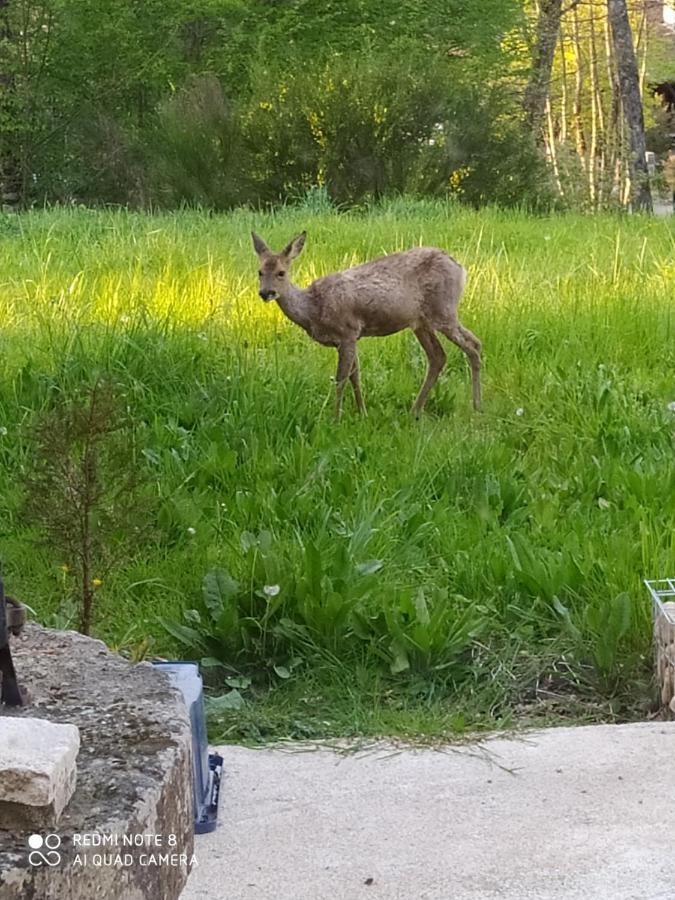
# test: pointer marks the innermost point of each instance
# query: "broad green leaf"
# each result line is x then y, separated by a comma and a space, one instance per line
217, 588
210, 662
238, 681
231, 700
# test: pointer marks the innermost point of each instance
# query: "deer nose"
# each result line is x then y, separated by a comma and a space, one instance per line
268, 295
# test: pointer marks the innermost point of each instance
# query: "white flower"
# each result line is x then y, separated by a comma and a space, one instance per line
3, 431
191, 531
670, 408
271, 590
520, 411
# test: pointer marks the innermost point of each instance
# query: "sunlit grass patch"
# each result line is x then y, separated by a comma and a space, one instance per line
469, 556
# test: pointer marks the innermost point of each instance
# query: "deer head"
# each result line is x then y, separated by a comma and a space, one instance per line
274, 267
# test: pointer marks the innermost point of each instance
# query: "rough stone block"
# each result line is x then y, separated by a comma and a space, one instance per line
664, 645
38, 771
134, 777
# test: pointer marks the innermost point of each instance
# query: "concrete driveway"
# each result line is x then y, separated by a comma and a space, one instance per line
563, 814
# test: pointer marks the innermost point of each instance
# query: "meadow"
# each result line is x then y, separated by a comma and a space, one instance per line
378, 575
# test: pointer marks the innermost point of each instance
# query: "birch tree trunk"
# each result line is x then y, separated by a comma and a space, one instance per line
580, 137
596, 115
563, 89
631, 102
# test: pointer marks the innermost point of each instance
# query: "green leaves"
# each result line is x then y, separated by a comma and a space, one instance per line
458, 546
224, 702
326, 605
217, 589
607, 622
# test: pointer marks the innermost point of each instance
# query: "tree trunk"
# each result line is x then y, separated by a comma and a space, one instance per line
580, 138
9, 178
597, 156
536, 92
612, 187
563, 89
552, 151
622, 38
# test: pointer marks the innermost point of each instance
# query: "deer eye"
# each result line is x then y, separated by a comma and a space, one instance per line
280, 274
261, 274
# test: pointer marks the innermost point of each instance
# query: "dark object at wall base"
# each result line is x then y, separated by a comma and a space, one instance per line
12, 617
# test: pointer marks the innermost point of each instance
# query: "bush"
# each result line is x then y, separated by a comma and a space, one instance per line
84, 486
193, 148
382, 125
357, 127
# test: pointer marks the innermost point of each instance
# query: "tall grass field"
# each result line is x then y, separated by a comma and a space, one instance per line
381, 574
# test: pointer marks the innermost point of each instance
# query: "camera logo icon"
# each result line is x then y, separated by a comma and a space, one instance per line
44, 851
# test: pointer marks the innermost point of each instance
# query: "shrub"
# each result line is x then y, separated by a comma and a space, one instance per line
83, 489
193, 148
382, 125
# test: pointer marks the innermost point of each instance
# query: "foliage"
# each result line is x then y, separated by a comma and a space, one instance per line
360, 128
72, 69
386, 124
193, 155
82, 487
472, 556
586, 136
100, 105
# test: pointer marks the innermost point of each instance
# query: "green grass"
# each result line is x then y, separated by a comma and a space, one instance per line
431, 574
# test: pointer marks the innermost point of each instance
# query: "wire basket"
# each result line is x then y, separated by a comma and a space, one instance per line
663, 592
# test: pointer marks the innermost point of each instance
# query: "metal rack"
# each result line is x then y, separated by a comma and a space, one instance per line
662, 591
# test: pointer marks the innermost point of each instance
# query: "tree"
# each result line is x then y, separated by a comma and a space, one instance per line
536, 92
8, 161
629, 82
84, 488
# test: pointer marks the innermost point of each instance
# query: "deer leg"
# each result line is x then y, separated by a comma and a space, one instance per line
355, 378
346, 354
469, 344
436, 356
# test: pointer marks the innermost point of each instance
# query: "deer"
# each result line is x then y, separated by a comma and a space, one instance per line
417, 289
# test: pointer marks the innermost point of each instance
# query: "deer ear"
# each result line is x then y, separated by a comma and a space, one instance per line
260, 245
295, 246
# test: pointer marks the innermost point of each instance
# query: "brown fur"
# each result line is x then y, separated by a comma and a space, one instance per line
417, 289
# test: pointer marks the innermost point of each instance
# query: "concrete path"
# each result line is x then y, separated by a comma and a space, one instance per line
564, 814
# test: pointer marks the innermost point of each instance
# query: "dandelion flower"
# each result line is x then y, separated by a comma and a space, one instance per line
271, 590
65, 568
96, 582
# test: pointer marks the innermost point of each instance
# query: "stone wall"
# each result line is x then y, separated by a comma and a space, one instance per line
134, 778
